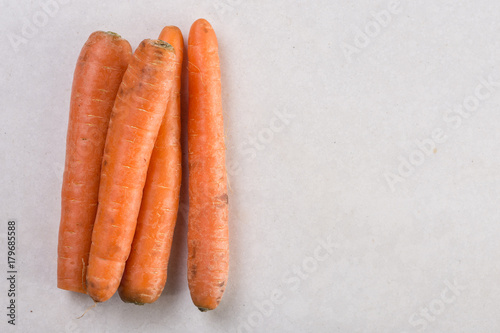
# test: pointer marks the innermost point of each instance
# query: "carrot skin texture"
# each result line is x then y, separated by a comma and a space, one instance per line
146, 268
208, 246
135, 120
99, 71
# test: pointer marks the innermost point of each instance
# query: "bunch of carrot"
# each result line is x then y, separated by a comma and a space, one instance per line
122, 176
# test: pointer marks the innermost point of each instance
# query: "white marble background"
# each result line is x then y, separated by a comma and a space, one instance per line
363, 145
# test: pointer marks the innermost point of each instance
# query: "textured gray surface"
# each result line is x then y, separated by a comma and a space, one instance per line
332, 228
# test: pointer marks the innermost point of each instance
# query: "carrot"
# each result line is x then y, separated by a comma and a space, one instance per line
208, 248
99, 71
135, 120
146, 269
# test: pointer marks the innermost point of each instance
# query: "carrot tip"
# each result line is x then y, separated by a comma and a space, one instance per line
127, 299
165, 45
114, 34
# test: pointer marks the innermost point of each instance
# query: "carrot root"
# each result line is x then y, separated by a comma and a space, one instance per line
146, 269
208, 247
98, 73
135, 121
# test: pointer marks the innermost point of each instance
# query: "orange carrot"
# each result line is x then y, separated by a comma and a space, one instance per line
99, 71
135, 120
208, 248
146, 269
